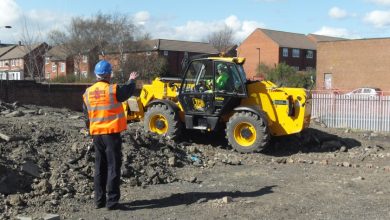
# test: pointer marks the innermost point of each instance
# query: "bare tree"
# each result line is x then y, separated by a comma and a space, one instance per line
222, 40
114, 33
32, 45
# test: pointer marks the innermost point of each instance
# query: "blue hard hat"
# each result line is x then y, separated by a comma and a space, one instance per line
103, 67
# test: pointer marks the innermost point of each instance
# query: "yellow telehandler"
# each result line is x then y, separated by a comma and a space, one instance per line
250, 111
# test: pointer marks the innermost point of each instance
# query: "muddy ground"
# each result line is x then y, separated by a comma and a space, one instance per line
46, 168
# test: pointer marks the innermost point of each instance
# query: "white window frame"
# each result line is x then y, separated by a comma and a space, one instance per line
47, 60
62, 67
285, 52
54, 67
85, 59
295, 53
166, 53
309, 54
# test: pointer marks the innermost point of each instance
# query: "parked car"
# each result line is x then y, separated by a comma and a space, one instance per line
366, 92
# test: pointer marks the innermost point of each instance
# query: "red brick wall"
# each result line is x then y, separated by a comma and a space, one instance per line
354, 63
269, 52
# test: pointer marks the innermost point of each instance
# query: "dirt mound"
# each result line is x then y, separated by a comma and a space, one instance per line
46, 155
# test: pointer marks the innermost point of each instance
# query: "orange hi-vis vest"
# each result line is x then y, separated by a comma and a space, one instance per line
106, 114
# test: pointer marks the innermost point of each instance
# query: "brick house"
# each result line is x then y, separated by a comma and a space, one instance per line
172, 50
23, 61
59, 62
350, 64
272, 47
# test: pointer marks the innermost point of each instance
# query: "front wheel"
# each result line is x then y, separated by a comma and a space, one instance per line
247, 132
162, 120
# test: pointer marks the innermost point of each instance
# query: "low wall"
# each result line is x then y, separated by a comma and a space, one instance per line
55, 95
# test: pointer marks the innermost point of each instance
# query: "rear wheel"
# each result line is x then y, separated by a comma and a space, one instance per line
247, 132
162, 120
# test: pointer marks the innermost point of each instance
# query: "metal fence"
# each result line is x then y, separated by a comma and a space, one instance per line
355, 112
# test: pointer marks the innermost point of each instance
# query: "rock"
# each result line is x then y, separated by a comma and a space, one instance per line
40, 112
51, 217
15, 200
290, 160
227, 199
280, 160
343, 149
370, 166
324, 162
31, 169
358, 178
346, 164
172, 161
192, 149
15, 114
201, 200
24, 218
43, 186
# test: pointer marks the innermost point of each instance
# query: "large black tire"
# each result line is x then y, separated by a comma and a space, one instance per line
162, 120
247, 132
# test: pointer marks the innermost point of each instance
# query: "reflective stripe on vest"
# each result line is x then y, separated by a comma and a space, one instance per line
106, 114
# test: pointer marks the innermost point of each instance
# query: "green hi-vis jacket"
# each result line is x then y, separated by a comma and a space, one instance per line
221, 81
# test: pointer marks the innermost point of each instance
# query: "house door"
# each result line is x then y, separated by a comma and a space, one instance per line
328, 80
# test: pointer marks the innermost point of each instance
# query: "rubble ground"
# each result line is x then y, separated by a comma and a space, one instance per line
46, 167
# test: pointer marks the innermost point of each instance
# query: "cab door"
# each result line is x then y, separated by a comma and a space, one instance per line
196, 92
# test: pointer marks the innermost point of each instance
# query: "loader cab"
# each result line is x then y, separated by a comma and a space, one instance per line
201, 94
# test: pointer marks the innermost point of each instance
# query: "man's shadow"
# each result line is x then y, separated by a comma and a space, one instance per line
190, 198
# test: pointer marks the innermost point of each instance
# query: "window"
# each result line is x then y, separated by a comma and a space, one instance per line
328, 80
47, 75
84, 74
285, 52
12, 62
165, 53
62, 67
47, 59
295, 53
186, 54
85, 59
309, 68
309, 54
54, 67
198, 76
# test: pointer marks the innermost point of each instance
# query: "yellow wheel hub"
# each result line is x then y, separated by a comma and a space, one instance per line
158, 124
244, 134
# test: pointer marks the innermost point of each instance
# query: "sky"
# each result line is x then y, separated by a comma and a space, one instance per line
195, 20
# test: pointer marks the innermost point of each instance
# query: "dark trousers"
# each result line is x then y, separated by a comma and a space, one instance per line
108, 162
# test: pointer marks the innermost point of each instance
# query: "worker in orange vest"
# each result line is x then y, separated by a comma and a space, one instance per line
106, 119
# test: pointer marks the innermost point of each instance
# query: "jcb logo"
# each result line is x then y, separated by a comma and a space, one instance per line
198, 104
